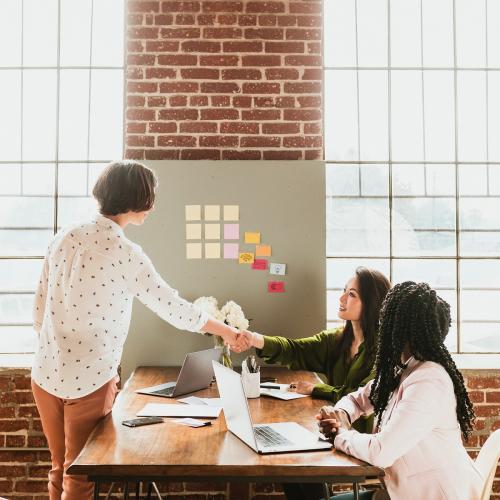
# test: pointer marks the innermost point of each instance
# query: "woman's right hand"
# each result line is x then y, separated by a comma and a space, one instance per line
331, 421
248, 339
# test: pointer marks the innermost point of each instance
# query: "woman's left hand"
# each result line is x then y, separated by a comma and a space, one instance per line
302, 387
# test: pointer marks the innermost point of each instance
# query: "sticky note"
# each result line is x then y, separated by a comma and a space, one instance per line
263, 251
260, 264
246, 258
231, 250
212, 231
193, 231
193, 250
212, 250
231, 212
276, 286
231, 231
277, 268
212, 212
193, 212
252, 238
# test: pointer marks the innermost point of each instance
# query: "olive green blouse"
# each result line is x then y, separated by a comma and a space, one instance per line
320, 353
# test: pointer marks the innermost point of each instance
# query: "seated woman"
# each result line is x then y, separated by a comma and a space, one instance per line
344, 355
419, 401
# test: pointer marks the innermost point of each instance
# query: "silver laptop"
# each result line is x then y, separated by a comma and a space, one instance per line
196, 373
263, 438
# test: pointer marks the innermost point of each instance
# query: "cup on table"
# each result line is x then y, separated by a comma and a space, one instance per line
251, 384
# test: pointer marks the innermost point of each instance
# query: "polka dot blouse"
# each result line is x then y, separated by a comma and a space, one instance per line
83, 306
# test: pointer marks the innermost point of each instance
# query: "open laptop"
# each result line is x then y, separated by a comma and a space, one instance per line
263, 438
196, 373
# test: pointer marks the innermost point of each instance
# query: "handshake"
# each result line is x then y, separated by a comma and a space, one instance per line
244, 340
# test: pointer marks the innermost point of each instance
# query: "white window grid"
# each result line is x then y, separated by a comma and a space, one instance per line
22, 295
391, 258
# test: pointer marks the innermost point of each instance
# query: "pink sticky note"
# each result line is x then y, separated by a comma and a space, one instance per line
231, 250
260, 264
231, 231
276, 286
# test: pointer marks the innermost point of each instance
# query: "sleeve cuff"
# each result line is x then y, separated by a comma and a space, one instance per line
322, 391
204, 317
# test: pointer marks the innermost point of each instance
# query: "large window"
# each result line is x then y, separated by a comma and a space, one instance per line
61, 120
412, 128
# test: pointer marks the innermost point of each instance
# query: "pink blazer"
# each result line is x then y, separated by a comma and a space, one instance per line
419, 443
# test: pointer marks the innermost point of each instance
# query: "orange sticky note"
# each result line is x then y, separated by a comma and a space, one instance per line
263, 251
246, 258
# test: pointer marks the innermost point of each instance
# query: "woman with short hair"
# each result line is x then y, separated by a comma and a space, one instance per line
82, 314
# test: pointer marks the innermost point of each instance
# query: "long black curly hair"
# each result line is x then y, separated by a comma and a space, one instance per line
414, 315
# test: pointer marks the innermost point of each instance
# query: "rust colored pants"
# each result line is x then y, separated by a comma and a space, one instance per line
67, 423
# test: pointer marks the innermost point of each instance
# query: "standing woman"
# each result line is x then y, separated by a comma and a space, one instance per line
419, 401
82, 314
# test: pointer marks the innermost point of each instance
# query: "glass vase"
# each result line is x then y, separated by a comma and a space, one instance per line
225, 358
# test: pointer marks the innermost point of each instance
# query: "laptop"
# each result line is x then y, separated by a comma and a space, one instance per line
196, 373
278, 437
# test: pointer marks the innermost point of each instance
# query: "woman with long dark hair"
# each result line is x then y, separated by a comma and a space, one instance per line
419, 401
344, 355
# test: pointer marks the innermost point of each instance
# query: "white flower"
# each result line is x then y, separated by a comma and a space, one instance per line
233, 315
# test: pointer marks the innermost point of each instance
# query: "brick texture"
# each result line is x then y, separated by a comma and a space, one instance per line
235, 79
25, 460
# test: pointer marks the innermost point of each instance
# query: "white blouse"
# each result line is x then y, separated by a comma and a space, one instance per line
83, 306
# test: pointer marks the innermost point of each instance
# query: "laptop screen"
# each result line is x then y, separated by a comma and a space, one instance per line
235, 404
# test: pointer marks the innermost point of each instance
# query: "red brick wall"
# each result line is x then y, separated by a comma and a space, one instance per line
24, 459
223, 80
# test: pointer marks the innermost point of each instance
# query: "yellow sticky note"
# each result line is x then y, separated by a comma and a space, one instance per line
231, 212
193, 231
263, 250
252, 238
212, 212
212, 231
193, 212
193, 250
212, 250
246, 258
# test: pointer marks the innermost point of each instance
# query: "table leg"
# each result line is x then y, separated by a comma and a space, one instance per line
355, 488
96, 490
150, 490
125, 491
138, 490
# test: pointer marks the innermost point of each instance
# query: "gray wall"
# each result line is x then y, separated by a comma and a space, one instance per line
284, 201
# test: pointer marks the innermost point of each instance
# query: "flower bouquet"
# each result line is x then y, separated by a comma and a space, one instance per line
231, 314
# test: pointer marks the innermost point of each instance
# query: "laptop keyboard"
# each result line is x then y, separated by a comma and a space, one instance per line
267, 436
168, 391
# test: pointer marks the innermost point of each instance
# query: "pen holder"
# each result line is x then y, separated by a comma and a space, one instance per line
251, 384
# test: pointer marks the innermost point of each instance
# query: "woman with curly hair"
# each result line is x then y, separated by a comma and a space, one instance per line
419, 400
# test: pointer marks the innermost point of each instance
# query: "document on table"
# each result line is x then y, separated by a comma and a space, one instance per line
178, 410
276, 393
193, 400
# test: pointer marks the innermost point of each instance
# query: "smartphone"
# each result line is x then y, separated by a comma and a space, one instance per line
137, 422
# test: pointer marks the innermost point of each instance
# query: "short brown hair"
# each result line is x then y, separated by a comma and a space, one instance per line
125, 186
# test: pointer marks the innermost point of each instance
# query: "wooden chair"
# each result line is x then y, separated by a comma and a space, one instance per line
487, 461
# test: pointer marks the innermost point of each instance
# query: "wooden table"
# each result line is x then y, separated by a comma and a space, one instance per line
169, 450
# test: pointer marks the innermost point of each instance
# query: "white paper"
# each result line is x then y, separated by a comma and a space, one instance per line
193, 400
178, 410
275, 268
191, 422
279, 394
